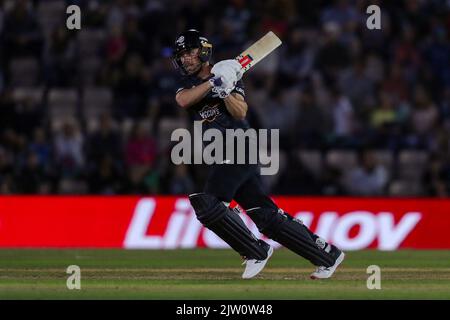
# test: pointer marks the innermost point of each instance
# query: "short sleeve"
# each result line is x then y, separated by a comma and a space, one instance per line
183, 84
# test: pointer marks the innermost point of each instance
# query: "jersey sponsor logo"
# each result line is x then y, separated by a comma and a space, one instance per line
179, 89
166, 222
209, 113
180, 40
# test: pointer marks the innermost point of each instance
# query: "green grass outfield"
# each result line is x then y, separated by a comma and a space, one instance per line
216, 274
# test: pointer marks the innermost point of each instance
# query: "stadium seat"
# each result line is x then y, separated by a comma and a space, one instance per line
88, 70
90, 41
385, 158
412, 164
34, 94
51, 13
56, 123
92, 125
147, 124
69, 186
412, 157
341, 159
270, 181
165, 128
24, 72
402, 188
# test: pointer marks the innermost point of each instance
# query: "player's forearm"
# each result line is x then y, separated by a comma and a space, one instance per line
236, 106
188, 97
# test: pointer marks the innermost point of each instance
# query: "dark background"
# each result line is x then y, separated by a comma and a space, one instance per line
360, 112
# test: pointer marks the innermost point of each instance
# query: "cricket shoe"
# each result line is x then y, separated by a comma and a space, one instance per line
253, 266
323, 272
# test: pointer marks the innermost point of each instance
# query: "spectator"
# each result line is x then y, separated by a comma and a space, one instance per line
343, 116
396, 83
135, 40
424, 118
330, 182
131, 88
237, 17
299, 56
333, 55
289, 180
385, 114
6, 185
406, 53
387, 122
436, 54
404, 65
2, 17
276, 16
444, 108
340, 13
164, 85
29, 115
140, 149
116, 46
32, 177
118, 12
22, 36
60, 58
6, 169
94, 15
357, 85
8, 112
2, 82
107, 178
227, 45
278, 113
437, 177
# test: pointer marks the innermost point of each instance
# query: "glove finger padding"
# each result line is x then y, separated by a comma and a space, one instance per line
231, 63
229, 82
227, 71
222, 92
240, 73
219, 69
236, 66
227, 75
223, 85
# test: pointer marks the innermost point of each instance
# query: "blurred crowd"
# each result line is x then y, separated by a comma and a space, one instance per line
360, 112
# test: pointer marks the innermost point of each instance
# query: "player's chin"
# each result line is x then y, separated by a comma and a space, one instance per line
193, 69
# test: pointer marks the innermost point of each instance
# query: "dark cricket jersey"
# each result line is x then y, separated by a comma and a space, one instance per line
211, 110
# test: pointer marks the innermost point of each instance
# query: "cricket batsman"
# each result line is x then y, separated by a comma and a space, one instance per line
215, 95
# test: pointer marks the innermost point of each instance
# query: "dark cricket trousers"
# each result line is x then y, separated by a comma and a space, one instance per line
240, 182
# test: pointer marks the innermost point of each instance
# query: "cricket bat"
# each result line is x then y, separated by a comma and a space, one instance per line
258, 51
